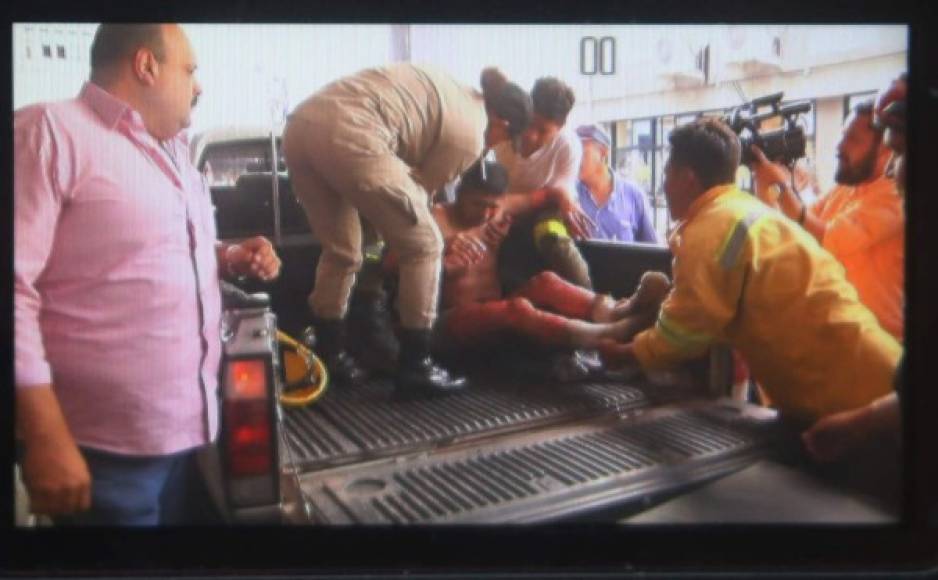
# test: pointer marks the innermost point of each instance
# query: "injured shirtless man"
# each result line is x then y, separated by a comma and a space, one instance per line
547, 309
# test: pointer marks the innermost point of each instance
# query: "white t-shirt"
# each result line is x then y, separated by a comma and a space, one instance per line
556, 164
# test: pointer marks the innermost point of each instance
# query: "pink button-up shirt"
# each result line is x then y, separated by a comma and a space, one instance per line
117, 301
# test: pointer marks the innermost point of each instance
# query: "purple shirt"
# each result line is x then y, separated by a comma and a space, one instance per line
626, 216
117, 300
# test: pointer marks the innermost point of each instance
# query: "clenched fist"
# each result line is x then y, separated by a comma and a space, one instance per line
253, 257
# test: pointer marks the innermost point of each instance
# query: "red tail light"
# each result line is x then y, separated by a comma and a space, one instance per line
249, 446
247, 379
247, 413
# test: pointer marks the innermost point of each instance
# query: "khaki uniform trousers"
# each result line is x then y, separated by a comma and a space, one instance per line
370, 146
336, 181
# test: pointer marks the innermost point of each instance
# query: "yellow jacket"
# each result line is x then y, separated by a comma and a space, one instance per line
746, 275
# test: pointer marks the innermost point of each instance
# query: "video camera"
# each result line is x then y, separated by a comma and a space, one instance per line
784, 145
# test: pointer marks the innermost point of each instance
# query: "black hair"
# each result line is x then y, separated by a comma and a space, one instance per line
865, 108
553, 99
506, 100
114, 42
493, 182
710, 148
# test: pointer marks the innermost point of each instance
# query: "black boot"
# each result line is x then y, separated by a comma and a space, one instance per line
417, 372
330, 346
377, 348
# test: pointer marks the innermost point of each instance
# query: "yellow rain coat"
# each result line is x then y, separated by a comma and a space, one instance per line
747, 276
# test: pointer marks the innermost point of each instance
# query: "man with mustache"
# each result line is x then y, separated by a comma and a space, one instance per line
861, 221
116, 288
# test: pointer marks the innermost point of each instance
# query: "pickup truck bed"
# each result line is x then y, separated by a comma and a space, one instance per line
509, 452
511, 449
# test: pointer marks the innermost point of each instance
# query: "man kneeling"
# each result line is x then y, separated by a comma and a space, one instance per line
547, 309
749, 277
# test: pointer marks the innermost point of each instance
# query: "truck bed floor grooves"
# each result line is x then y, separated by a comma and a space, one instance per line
359, 423
540, 475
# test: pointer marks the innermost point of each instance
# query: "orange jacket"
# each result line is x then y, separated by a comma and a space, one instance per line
866, 233
747, 276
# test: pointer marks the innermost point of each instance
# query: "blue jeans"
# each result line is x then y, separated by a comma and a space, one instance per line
138, 491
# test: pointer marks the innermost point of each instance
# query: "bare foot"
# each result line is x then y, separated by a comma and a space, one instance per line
604, 308
621, 309
624, 330
651, 292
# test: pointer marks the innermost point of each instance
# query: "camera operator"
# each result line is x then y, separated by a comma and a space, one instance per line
836, 435
861, 221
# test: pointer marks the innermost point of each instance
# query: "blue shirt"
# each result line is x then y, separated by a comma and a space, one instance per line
626, 217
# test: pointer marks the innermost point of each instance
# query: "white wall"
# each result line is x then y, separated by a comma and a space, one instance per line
528, 52
830, 113
524, 53
250, 72
36, 78
819, 82
816, 61
817, 45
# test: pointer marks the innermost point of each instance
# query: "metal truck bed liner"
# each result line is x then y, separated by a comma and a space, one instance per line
355, 424
542, 475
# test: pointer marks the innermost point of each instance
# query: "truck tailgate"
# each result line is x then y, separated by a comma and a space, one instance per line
509, 452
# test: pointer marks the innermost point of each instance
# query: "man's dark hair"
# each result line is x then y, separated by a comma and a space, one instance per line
114, 42
553, 99
709, 147
865, 108
506, 100
493, 182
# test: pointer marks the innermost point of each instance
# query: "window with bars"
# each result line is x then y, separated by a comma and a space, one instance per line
854, 99
640, 150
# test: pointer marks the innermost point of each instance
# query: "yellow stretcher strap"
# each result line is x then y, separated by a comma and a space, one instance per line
305, 374
549, 227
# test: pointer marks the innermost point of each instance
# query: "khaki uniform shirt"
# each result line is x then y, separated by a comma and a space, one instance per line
420, 114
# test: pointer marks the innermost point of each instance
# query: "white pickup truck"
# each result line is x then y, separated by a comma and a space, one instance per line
517, 446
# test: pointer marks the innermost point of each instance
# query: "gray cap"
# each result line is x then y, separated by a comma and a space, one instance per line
594, 133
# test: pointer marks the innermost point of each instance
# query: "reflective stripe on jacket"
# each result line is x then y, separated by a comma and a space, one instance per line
746, 276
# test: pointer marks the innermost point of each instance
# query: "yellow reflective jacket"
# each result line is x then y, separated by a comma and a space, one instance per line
747, 276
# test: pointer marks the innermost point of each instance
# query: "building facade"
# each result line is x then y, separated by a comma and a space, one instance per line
640, 81
50, 61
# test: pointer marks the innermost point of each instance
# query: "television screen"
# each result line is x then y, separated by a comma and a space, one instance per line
325, 276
